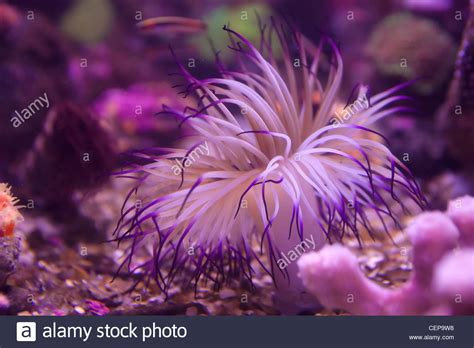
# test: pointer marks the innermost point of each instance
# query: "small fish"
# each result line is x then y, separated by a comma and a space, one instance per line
172, 25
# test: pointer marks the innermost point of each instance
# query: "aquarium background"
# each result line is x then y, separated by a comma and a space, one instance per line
82, 84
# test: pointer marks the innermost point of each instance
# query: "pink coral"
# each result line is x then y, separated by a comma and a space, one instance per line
348, 288
443, 278
453, 281
461, 211
432, 235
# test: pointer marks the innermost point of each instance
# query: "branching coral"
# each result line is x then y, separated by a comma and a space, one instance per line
278, 170
443, 278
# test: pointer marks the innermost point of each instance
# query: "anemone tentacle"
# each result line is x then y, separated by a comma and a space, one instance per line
282, 147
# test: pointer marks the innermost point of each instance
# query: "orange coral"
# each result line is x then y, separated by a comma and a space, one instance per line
9, 214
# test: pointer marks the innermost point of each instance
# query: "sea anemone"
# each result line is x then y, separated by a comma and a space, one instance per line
9, 214
9, 240
272, 169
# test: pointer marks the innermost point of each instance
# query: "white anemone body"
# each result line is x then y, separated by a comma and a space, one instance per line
277, 170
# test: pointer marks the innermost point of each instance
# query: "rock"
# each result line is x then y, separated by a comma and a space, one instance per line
97, 308
4, 302
79, 310
226, 294
192, 311
9, 252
